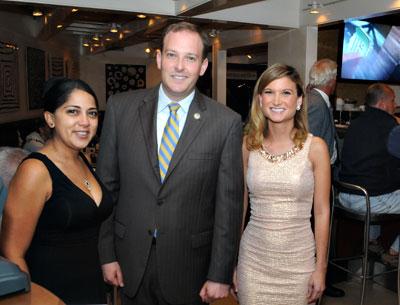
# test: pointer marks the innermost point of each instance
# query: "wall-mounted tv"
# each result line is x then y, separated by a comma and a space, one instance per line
370, 52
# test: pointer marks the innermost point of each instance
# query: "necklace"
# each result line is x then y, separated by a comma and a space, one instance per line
87, 184
282, 157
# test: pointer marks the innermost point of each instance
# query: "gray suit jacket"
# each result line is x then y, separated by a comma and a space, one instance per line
197, 210
320, 119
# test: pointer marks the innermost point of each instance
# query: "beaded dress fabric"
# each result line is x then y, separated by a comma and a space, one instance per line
277, 250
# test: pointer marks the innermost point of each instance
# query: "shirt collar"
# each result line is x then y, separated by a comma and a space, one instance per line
164, 101
324, 96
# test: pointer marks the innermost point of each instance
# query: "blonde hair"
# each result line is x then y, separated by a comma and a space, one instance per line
257, 127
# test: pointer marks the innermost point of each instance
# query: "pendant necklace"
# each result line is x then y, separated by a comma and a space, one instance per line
87, 184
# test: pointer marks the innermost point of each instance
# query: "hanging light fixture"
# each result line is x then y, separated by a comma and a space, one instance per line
114, 28
37, 13
96, 37
314, 7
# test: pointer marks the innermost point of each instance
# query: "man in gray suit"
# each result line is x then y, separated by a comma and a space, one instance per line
174, 233
322, 84
320, 119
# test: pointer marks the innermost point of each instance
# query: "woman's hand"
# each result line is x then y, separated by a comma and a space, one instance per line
316, 286
234, 288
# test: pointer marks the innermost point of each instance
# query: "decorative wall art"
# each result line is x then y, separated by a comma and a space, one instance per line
36, 71
56, 66
121, 78
8, 77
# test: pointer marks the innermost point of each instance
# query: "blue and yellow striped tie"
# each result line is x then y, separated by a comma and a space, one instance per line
169, 139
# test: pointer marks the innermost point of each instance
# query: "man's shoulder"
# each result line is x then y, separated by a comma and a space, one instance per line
218, 108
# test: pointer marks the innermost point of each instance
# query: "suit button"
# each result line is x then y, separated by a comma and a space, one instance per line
160, 202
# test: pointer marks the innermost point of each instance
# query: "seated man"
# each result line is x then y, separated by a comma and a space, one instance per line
367, 162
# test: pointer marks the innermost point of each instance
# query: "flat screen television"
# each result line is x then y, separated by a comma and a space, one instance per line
370, 52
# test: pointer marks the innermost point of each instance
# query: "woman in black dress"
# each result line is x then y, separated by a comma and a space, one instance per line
56, 203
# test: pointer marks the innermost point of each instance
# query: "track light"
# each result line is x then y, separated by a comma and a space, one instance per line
314, 7
37, 13
114, 28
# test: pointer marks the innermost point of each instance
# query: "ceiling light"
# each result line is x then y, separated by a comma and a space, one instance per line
314, 7
59, 26
96, 44
249, 56
108, 39
141, 16
37, 13
96, 37
86, 44
213, 33
74, 10
147, 50
114, 28
121, 36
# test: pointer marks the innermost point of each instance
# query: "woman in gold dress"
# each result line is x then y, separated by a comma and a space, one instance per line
287, 172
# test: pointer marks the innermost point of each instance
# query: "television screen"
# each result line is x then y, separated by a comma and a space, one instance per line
370, 52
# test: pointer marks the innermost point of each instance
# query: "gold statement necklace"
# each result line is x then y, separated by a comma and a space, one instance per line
282, 157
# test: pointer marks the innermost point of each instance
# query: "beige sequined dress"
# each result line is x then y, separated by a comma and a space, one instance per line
277, 250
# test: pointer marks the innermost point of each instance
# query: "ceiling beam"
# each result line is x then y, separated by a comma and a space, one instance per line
58, 16
214, 5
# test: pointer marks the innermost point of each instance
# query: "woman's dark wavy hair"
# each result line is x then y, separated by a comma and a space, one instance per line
57, 91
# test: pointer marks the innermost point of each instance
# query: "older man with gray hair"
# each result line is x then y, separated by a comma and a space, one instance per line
322, 84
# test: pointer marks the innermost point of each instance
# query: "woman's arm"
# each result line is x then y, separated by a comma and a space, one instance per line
28, 191
319, 157
245, 156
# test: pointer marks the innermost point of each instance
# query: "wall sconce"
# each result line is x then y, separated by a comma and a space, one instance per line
37, 13
314, 7
114, 27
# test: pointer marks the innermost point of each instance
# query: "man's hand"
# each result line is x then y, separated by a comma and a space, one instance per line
212, 291
112, 274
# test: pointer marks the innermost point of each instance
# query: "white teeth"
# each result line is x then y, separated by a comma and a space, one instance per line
83, 133
178, 77
277, 109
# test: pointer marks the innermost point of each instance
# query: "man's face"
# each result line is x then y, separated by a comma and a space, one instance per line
181, 63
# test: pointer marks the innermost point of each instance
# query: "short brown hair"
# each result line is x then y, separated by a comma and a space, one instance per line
186, 26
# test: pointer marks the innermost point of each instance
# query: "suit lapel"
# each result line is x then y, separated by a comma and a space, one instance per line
148, 121
195, 120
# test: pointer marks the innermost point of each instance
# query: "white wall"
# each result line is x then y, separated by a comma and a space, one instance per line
297, 48
92, 70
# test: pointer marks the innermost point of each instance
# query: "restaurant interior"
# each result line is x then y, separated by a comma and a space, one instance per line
112, 45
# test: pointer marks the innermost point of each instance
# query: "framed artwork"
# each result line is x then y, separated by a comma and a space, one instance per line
56, 66
36, 72
121, 78
8, 78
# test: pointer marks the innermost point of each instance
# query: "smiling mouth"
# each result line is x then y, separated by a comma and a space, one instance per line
83, 133
279, 110
179, 77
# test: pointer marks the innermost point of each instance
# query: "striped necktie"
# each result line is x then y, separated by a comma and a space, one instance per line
169, 139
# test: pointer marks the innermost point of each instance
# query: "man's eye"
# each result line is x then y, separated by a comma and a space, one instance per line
191, 58
170, 55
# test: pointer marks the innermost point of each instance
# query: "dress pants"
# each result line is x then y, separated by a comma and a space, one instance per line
149, 292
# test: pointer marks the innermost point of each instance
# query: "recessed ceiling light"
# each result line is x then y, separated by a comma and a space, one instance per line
147, 50
249, 56
37, 13
141, 16
114, 28
74, 10
59, 26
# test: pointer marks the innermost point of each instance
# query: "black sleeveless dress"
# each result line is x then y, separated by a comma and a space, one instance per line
63, 253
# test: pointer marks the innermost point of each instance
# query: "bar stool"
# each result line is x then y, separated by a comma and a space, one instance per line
367, 219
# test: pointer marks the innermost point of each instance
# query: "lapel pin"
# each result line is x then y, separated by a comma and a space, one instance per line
196, 116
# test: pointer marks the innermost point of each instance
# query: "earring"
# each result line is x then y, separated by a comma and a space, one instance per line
298, 107
51, 125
